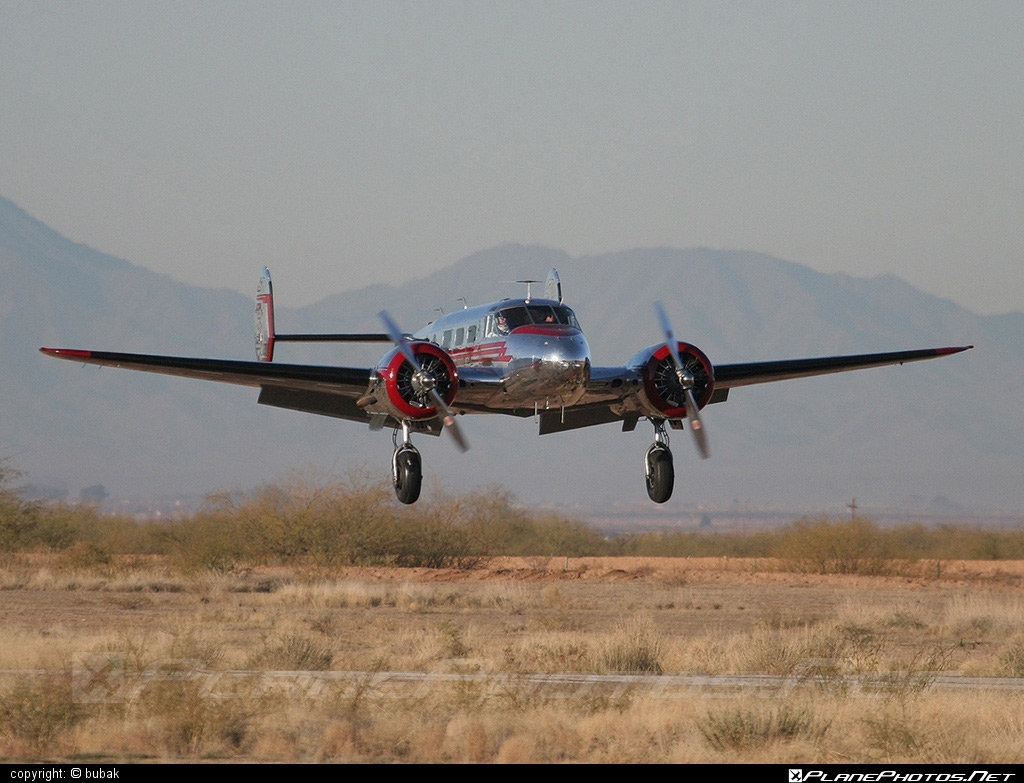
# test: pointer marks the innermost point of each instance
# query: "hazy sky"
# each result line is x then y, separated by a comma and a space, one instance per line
351, 143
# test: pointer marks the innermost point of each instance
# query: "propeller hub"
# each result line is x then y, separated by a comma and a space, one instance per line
423, 383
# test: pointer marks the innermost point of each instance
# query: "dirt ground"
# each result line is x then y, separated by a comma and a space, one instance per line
510, 618
682, 596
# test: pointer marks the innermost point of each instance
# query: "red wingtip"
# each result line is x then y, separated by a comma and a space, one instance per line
66, 353
957, 349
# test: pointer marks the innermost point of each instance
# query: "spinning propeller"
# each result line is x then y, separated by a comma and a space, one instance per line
424, 381
686, 382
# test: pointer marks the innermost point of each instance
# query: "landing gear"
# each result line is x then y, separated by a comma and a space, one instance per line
406, 469
661, 476
407, 474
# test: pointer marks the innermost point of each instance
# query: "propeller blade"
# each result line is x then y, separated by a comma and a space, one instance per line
447, 417
685, 379
700, 437
398, 338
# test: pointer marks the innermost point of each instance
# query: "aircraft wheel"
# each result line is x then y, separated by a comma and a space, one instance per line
407, 475
661, 476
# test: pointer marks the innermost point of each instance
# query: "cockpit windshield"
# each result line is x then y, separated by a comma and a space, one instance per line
509, 318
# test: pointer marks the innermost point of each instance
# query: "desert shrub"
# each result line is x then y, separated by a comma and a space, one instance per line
118, 534
744, 729
893, 732
1011, 661
83, 556
19, 521
57, 527
39, 709
295, 652
191, 723
327, 521
451, 641
633, 650
495, 525
432, 543
835, 546
211, 540
330, 521
826, 547
188, 645
911, 678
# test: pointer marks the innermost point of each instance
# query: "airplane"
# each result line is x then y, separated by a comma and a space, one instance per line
519, 357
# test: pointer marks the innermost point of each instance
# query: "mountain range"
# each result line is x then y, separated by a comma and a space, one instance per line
949, 431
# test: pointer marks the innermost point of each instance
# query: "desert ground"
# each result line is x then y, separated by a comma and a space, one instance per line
513, 660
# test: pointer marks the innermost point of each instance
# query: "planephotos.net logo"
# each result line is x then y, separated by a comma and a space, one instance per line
891, 775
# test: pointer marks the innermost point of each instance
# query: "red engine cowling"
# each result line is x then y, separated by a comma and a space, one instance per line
661, 394
406, 398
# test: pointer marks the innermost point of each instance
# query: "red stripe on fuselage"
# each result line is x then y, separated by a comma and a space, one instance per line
547, 330
485, 352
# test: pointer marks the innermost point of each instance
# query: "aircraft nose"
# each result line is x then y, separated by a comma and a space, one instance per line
573, 348
564, 347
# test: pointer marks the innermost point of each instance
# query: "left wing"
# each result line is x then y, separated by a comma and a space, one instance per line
729, 375
330, 391
612, 394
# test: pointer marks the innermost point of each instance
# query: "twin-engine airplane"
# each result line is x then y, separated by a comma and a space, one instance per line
520, 357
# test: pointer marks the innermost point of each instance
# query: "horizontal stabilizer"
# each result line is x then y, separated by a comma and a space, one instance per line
356, 337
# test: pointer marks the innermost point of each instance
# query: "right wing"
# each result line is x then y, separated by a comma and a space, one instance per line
329, 391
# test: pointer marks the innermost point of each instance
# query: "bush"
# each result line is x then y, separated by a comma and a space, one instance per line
191, 723
741, 729
38, 710
824, 547
19, 521
634, 650
295, 652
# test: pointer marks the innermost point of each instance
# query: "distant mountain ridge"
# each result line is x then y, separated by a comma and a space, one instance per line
952, 427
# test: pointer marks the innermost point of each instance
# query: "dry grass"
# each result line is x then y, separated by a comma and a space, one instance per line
510, 619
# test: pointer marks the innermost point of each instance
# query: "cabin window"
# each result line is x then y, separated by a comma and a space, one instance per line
471, 334
511, 318
566, 316
446, 340
460, 334
542, 314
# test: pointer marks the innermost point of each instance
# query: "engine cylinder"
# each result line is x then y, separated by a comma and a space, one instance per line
662, 395
407, 390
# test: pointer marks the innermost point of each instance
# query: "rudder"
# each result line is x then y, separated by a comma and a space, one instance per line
264, 318
553, 287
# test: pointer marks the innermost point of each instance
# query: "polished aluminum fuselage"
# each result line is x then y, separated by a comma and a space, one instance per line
516, 354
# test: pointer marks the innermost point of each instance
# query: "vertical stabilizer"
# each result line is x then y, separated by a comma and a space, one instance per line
553, 286
264, 318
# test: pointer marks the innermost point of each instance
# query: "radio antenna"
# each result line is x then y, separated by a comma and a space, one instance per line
528, 284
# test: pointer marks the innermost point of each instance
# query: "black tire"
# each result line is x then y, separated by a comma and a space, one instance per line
661, 476
408, 476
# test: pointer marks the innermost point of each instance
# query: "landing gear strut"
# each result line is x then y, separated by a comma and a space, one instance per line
661, 476
406, 469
